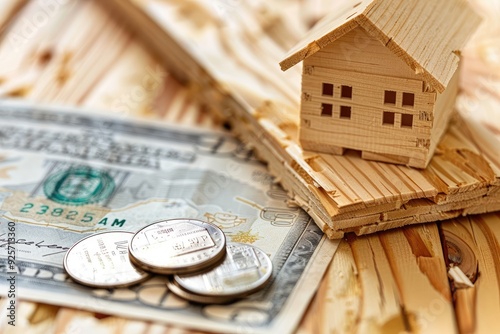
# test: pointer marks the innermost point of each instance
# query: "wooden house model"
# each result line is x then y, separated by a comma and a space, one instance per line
381, 77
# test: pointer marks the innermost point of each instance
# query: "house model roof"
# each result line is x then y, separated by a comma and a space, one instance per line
426, 34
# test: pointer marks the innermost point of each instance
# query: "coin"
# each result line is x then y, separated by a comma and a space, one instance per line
101, 260
178, 246
180, 292
245, 270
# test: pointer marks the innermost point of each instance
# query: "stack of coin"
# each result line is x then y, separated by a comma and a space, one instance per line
204, 268
245, 270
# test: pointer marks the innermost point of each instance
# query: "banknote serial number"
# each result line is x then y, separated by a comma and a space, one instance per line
71, 216
46, 210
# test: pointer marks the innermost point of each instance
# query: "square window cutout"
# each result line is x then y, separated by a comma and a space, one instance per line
388, 118
406, 120
326, 109
408, 99
346, 92
390, 97
327, 89
345, 112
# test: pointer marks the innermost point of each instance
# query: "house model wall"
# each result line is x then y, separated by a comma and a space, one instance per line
381, 77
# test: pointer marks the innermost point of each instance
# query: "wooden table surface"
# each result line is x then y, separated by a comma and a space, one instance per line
391, 282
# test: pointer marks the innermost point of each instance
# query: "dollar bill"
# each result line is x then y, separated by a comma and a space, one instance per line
65, 175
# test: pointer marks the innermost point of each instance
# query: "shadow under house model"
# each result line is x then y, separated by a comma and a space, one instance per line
381, 77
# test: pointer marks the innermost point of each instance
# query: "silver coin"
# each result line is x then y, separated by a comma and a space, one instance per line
101, 260
180, 292
244, 270
178, 246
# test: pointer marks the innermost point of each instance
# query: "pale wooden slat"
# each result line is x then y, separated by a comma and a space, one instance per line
393, 282
473, 247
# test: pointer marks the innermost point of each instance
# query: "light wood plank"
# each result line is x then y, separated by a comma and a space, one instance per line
392, 282
472, 245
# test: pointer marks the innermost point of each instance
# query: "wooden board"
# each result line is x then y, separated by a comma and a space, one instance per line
393, 282
473, 246
235, 72
63, 63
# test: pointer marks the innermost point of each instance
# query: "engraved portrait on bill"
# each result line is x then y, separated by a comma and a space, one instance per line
65, 175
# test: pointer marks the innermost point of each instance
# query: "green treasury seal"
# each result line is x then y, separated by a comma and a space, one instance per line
79, 186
